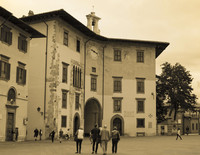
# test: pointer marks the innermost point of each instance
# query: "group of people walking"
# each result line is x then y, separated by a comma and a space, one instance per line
98, 136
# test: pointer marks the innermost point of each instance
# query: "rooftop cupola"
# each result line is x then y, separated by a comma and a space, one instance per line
92, 22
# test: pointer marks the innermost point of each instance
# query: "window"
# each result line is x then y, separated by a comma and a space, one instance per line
94, 69
64, 99
65, 39
65, 70
78, 45
140, 105
93, 83
140, 122
4, 68
140, 56
117, 104
196, 126
22, 43
77, 77
192, 126
117, 84
21, 74
77, 101
63, 121
6, 35
117, 55
140, 85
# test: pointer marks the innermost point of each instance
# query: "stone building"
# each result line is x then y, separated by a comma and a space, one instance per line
15, 38
80, 78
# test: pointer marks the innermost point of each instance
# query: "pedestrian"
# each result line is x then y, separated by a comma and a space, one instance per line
16, 134
95, 138
52, 136
115, 139
105, 137
187, 130
179, 134
79, 134
36, 133
40, 134
60, 135
68, 134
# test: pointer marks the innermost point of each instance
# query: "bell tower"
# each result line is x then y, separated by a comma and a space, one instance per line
92, 22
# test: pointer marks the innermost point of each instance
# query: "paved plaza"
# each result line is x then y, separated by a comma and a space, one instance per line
158, 145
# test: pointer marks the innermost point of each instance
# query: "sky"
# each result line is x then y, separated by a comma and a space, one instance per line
173, 21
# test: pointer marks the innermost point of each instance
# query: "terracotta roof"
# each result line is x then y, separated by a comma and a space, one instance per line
62, 14
19, 23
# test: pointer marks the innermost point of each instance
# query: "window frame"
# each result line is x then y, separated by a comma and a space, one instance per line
21, 74
117, 55
22, 43
93, 83
138, 100
138, 125
4, 63
64, 73
63, 121
64, 102
66, 38
118, 101
117, 84
77, 102
140, 85
140, 56
78, 45
6, 35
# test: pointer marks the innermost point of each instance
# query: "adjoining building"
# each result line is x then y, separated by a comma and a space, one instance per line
15, 38
80, 78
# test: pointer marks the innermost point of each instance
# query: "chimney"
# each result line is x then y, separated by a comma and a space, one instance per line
92, 22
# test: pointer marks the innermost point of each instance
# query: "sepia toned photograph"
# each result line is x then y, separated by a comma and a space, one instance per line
99, 77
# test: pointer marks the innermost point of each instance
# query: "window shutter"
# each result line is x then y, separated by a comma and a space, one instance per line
0, 67
25, 46
1, 38
17, 76
10, 38
24, 76
19, 42
8, 71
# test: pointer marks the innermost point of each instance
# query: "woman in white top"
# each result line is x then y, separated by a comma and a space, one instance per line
79, 134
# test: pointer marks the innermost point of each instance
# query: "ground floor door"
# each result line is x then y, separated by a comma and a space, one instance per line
118, 123
92, 115
76, 123
10, 127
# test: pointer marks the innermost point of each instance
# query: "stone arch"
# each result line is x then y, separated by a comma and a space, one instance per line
92, 114
76, 122
117, 120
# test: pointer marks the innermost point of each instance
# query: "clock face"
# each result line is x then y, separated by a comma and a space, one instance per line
94, 52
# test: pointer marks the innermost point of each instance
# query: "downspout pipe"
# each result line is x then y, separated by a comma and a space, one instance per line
45, 79
103, 80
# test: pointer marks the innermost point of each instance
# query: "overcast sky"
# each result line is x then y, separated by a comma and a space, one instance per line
173, 21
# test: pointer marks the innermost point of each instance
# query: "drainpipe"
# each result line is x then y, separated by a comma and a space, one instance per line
103, 83
45, 80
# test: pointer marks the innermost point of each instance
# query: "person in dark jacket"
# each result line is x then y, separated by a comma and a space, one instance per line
52, 136
95, 138
36, 133
115, 139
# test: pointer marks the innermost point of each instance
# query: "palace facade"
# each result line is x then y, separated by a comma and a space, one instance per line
80, 78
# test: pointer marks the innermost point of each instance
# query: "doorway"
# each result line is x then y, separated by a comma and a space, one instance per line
10, 126
76, 122
92, 115
118, 121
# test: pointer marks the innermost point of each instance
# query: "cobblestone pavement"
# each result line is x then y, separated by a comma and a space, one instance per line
158, 145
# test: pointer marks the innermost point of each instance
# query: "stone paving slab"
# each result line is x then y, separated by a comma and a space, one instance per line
158, 145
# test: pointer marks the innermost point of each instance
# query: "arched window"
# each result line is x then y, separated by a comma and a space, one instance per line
11, 95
